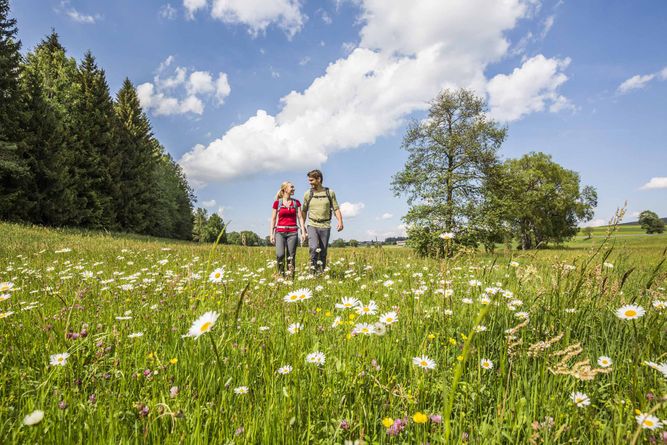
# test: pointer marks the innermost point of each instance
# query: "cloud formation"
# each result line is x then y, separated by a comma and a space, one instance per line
256, 15
408, 52
639, 81
528, 89
350, 210
656, 183
75, 15
161, 96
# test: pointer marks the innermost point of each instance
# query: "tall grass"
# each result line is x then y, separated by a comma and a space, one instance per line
163, 388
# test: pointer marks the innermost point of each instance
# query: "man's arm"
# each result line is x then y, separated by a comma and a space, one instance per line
336, 207
339, 217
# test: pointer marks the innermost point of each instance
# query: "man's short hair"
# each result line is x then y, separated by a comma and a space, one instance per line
316, 174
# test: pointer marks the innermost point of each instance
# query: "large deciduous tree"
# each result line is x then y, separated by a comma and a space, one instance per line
540, 200
450, 153
650, 222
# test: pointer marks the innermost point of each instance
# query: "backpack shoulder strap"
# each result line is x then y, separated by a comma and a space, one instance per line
326, 189
306, 202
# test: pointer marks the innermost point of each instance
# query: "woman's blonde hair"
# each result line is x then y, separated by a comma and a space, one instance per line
283, 189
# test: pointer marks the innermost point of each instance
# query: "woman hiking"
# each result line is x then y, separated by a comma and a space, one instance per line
284, 227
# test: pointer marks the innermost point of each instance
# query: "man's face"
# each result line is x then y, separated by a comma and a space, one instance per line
314, 182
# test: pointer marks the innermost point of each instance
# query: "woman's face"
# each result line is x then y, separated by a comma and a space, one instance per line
289, 189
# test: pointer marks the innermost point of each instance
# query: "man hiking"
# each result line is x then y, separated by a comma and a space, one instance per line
320, 204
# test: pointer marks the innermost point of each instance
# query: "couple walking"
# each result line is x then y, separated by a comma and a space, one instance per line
288, 216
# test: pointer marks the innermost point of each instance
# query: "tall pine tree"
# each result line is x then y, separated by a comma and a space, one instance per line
51, 84
97, 143
13, 171
136, 151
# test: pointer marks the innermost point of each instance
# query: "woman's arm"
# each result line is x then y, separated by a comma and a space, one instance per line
304, 234
272, 235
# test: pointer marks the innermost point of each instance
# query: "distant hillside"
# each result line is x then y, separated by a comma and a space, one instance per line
636, 223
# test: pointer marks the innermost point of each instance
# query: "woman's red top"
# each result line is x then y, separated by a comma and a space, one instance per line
287, 216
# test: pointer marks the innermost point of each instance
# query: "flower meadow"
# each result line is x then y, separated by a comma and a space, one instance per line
111, 339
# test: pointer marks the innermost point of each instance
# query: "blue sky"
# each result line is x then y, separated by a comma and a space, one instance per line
248, 93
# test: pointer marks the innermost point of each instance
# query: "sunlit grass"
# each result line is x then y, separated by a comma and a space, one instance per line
87, 294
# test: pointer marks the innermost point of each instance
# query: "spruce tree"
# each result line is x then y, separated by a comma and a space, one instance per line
52, 86
13, 171
137, 162
97, 143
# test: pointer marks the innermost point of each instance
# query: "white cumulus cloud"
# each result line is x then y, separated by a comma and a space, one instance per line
192, 6
528, 89
386, 216
350, 210
257, 15
408, 52
209, 204
161, 98
656, 183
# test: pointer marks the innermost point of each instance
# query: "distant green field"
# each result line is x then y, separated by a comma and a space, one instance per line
620, 230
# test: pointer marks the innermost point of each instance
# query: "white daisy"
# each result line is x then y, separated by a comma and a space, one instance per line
217, 275
337, 322
59, 359
304, 294
348, 303
479, 328
294, 328
648, 422
580, 399
364, 328
4, 297
136, 335
424, 362
446, 235
317, 358
241, 390
284, 370
203, 324
630, 312
368, 309
6, 286
485, 363
660, 304
389, 318
604, 361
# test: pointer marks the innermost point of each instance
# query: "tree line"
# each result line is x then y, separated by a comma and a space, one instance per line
461, 193
71, 155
